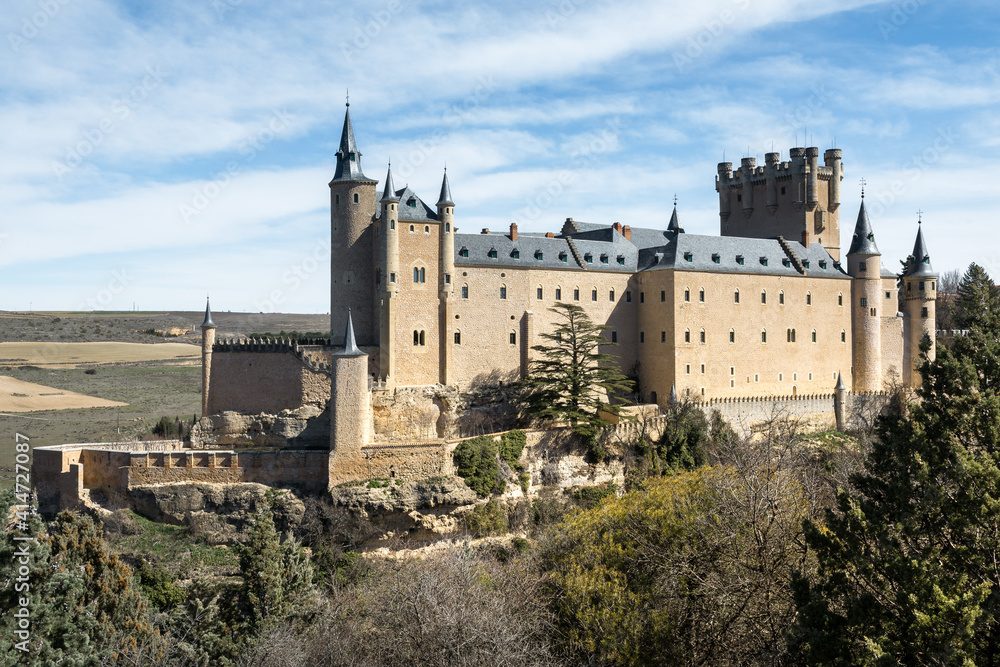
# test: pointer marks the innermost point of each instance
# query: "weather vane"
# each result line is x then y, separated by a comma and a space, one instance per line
920, 215
863, 181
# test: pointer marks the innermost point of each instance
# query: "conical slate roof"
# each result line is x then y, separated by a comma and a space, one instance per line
208, 323
920, 260
389, 192
349, 157
863, 242
350, 345
674, 225
840, 383
445, 198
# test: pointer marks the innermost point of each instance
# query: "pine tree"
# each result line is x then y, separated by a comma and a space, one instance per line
908, 561
571, 379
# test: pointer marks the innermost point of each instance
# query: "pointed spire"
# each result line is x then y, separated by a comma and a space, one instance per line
863, 242
673, 394
350, 346
445, 198
349, 157
840, 383
674, 225
208, 323
920, 260
389, 192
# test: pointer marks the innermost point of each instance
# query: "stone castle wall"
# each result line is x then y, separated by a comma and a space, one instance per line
266, 377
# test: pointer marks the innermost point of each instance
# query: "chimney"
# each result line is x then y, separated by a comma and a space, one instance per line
627, 232
805, 239
618, 227
513, 231
486, 230
549, 235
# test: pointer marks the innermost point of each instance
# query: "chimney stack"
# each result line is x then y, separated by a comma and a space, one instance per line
805, 239
627, 232
513, 231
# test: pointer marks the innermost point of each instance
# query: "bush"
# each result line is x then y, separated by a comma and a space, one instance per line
511, 446
487, 519
589, 496
476, 463
159, 587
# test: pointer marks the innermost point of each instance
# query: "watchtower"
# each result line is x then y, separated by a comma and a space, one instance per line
864, 265
352, 256
207, 343
919, 296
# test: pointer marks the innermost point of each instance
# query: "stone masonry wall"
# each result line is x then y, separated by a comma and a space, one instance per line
270, 382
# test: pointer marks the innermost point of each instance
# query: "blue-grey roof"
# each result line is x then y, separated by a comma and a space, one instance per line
863, 242
695, 252
208, 323
674, 225
412, 208
389, 192
445, 198
535, 251
920, 260
350, 348
349, 157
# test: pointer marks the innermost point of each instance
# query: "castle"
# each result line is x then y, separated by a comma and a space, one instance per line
766, 314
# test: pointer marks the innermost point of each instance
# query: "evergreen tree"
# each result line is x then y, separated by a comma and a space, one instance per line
275, 573
571, 379
908, 561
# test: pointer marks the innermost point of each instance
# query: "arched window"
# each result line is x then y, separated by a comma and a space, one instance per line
538, 292
447, 226
732, 335
503, 291
611, 296
809, 298
458, 337
763, 335
701, 295
421, 337
781, 298
763, 296
687, 294
416, 275
427, 229
593, 294
736, 296
392, 224
576, 294
419, 274
652, 397
355, 197
558, 293
513, 337
687, 335
465, 291
814, 335
840, 299
843, 336
702, 334
412, 228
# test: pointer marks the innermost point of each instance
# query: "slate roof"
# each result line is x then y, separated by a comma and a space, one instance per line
529, 246
412, 208
863, 242
920, 264
389, 192
349, 157
445, 198
720, 254
208, 323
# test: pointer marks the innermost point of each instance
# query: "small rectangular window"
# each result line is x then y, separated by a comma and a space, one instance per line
503, 292
558, 294
687, 369
593, 295
921, 288
513, 338
862, 266
663, 296
614, 336
576, 295
538, 293
923, 312
611, 296
628, 297
458, 338
642, 336
465, 291
642, 297
864, 301
703, 369
663, 336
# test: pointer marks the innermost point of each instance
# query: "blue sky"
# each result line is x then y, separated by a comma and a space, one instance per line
155, 152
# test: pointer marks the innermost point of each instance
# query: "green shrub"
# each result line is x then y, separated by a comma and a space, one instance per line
588, 496
525, 480
476, 462
487, 519
159, 587
511, 445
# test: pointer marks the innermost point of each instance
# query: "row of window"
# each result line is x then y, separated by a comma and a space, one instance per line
540, 292
790, 336
741, 260
736, 296
588, 258
756, 377
420, 339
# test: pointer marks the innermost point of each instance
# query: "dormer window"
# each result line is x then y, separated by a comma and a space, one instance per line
688, 257
464, 252
822, 263
492, 254
539, 255
621, 259
515, 253
604, 258
588, 258
739, 259
716, 258
411, 202
805, 264
562, 257
763, 261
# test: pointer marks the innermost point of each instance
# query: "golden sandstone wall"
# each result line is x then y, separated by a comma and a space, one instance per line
257, 382
417, 305
753, 364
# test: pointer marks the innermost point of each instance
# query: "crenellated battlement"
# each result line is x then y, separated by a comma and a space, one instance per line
313, 352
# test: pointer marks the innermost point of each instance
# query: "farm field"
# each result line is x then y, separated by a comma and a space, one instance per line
111, 360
